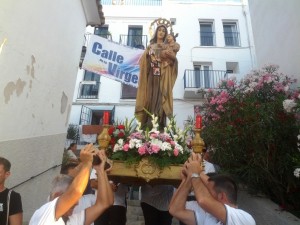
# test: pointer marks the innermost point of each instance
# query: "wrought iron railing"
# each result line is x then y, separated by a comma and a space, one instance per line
203, 78
132, 2
88, 90
136, 41
232, 38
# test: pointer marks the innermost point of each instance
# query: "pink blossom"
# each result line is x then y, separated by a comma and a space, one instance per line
176, 152
220, 108
172, 143
126, 147
142, 150
153, 135
230, 83
155, 148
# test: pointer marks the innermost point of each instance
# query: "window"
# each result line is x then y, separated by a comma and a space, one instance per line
207, 35
232, 68
202, 76
128, 92
135, 36
89, 87
231, 34
103, 32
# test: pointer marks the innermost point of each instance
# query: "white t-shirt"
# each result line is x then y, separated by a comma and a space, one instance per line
72, 155
84, 202
234, 216
209, 167
46, 216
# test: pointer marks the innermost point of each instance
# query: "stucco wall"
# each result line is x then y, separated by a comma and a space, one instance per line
41, 44
276, 33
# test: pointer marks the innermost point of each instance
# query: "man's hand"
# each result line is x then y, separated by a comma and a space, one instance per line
86, 154
103, 158
193, 164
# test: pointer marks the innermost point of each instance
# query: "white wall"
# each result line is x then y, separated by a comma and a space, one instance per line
41, 46
276, 33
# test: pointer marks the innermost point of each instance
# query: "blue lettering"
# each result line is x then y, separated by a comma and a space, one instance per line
96, 48
134, 78
112, 68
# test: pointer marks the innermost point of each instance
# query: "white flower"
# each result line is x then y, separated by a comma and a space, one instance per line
179, 147
132, 143
286, 88
175, 136
289, 104
166, 146
117, 148
297, 172
120, 141
156, 142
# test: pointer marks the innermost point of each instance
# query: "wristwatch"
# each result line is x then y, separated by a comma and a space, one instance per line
195, 175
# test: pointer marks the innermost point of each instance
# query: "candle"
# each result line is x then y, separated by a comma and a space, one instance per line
198, 121
106, 118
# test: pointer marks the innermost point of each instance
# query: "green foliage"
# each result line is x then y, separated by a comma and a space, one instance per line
73, 132
253, 136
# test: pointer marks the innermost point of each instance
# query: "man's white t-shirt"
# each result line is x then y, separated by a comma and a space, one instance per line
234, 216
46, 216
72, 155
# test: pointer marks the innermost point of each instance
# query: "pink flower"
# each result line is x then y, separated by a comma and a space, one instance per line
126, 147
153, 135
176, 152
155, 148
172, 143
230, 83
142, 150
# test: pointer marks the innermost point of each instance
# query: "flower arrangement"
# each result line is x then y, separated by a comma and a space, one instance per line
253, 136
129, 143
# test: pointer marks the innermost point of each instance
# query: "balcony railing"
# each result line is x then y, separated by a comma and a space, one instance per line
132, 2
88, 90
203, 78
207, 38
232, 38
136, 41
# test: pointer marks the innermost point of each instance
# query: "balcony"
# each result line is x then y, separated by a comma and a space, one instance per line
88, 90
201, 79
136, 41
132, 2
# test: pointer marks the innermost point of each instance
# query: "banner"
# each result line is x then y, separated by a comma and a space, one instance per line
112, 60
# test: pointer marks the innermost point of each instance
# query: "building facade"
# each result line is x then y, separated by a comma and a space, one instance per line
215, 40
40, 46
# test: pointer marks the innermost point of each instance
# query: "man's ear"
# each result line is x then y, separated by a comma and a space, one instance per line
222, 197
7, 174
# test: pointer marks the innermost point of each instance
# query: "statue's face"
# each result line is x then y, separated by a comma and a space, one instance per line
170, 38
161, 33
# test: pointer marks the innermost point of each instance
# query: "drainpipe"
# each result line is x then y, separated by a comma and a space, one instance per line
249, 33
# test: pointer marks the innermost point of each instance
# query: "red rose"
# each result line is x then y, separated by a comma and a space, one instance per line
121, 127
111, 130
121, 134
112, 141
